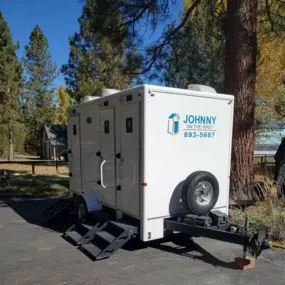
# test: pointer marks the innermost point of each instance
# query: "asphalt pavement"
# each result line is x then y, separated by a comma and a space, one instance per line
31, 254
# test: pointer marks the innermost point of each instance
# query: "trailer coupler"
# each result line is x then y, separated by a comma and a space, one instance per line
217, 226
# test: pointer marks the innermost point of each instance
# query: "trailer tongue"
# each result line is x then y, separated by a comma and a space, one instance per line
217, 226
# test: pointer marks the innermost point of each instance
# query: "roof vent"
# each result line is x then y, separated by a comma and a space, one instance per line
90, 98
202, 88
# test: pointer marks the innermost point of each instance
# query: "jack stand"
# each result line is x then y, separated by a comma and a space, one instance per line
246, 262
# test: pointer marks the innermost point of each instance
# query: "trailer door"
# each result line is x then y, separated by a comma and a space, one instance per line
107, 163
128, 168
75, 155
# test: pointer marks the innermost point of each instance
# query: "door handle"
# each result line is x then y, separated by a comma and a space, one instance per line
101, 170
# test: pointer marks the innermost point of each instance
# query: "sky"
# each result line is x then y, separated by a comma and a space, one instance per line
58, 19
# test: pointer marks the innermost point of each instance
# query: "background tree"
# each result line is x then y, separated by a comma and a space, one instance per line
270, 88
40, 72
64, 101
185, 65
100, 57
198, 50
240, 79
240, 68
10, 88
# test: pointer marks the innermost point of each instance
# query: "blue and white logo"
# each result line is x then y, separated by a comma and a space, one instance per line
173, 124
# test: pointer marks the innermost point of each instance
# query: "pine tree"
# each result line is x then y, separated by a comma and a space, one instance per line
10, 85
197, 52
240, 80
63, 101
99, 56
40, 72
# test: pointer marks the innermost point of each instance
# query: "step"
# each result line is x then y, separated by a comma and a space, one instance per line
91, 249
106, 236
86, 226
73, 235
123, 225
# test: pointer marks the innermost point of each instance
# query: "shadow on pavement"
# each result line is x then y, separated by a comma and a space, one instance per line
196, 252
31, 209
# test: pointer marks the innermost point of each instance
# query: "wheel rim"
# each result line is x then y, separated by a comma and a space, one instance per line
204, 193
81, 211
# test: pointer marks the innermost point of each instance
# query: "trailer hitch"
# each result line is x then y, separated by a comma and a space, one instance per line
257, 241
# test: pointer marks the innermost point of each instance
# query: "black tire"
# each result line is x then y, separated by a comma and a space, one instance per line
80, 207
189, 188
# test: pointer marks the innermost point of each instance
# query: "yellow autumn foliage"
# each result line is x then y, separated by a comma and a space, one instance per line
270, 77
219, 5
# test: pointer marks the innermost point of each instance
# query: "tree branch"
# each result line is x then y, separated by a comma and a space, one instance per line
269, 15
158, 49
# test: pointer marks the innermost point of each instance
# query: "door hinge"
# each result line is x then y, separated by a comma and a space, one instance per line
119, 188
70, 174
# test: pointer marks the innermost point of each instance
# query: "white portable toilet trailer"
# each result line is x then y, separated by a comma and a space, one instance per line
157, 156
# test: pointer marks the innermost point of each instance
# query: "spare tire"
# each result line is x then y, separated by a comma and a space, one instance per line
200, 192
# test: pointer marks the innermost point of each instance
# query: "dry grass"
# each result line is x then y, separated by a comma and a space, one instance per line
48, 180
264, 173
39, 169
267, 214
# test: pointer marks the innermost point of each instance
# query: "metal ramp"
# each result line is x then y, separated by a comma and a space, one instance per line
55, 209
98, 236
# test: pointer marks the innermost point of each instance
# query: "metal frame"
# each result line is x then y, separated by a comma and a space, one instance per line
252, 242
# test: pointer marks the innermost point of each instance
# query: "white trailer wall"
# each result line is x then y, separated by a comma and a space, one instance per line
170, 158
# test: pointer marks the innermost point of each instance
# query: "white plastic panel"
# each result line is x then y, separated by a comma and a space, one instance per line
201, 140
128, 167
107, 163
75, 155
90, 145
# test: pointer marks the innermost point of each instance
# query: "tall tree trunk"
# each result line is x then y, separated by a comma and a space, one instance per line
10, 141
240, 70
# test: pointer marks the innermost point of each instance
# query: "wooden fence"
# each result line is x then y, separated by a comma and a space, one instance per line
33, 168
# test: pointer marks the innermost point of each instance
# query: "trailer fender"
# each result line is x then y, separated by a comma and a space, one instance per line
91, 201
